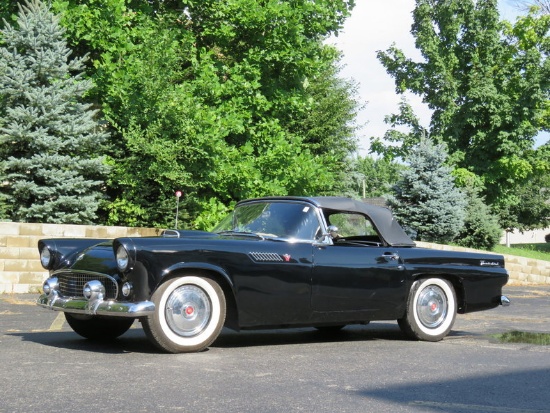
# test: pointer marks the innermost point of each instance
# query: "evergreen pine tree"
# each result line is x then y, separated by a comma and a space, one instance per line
49, 140
425, 198
481, 229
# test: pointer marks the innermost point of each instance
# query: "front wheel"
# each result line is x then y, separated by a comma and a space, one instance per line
97, 328
431, 310
189, 314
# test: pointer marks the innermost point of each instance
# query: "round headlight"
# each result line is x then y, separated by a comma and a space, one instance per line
45, 257
122, 259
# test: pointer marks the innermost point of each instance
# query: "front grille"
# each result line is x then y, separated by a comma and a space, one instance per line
71, 283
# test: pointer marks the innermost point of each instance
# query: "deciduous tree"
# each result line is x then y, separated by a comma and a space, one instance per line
212, 97
487, 83
378, 176
542, 5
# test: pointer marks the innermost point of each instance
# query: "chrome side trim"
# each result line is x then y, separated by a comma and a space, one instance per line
266, 256
96, 307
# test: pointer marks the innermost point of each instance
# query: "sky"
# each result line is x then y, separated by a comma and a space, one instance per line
374, 25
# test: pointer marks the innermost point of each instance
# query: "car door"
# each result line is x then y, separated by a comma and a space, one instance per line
357, 273
273, 284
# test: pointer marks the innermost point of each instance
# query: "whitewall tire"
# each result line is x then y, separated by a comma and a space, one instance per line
431, 310
189, 314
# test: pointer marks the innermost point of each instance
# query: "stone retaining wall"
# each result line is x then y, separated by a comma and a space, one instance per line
21, 272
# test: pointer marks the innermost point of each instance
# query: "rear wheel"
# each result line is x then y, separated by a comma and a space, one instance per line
97, 328
189, 314
431, 310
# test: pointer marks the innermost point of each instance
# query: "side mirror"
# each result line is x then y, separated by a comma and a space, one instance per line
329, 236
333, 231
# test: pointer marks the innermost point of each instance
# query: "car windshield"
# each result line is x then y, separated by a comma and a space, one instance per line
286, 220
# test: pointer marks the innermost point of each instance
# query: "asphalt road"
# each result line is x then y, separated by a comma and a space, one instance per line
46, 367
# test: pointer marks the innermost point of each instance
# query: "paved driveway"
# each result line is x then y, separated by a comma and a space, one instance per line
46, 367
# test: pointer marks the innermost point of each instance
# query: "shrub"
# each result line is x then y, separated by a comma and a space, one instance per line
481, 229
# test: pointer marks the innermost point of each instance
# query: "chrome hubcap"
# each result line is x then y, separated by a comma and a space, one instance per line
432, 306
188, 310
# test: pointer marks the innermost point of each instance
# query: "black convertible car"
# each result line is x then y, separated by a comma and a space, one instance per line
274, 262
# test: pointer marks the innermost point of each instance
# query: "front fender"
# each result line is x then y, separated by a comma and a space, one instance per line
216, 273
176, 269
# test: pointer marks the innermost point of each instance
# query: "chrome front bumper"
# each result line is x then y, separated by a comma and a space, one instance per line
96, 307
504, 301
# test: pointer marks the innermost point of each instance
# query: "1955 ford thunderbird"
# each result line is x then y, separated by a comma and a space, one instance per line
274, 262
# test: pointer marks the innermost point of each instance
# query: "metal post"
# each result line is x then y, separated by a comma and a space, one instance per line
178, 196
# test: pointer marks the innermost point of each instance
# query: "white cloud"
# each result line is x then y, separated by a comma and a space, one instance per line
375, 25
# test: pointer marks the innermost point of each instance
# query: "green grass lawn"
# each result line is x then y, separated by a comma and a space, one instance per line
535, 251
541, 339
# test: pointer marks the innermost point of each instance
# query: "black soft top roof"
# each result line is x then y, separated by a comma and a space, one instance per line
381, 217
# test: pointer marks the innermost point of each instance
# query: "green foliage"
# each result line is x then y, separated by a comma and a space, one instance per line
404, 134
8, 9
529, 208
329, 121
213, 211
481, 229
487, 83
425, 198
215, 98
378, 176
49, 140
4, 212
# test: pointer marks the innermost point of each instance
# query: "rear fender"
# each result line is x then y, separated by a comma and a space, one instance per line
456, 283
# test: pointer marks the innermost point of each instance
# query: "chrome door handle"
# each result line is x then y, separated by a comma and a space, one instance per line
390, 256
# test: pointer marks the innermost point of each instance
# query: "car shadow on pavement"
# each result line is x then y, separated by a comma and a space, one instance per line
135, 341
277, 337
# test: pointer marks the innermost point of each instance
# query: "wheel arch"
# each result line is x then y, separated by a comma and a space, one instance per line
455, 281
214, 273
